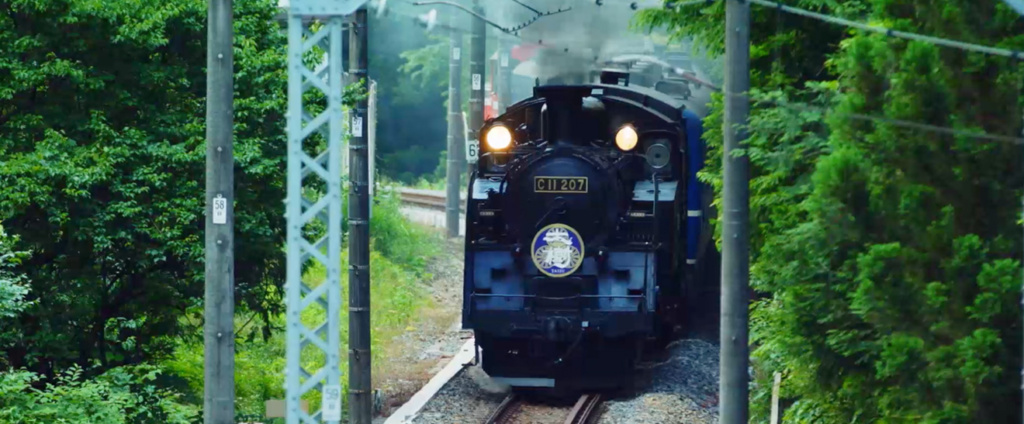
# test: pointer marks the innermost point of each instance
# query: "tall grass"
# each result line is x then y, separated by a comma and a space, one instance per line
395, 238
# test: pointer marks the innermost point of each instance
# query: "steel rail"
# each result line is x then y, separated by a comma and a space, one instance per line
585, 409
505, 410
583, 412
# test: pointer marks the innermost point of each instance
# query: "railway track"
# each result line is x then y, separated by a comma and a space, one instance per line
513, 407
430, 199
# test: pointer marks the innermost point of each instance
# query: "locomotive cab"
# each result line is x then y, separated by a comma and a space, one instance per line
578, 233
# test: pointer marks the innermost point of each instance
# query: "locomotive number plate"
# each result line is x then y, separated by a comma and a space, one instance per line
560, 184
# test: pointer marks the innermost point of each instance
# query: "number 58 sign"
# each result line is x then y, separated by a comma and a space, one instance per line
472, 144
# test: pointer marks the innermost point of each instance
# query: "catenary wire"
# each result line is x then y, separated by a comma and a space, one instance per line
803, 107
882, 30
860, 116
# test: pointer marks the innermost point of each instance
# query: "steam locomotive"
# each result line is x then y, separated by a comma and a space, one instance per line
587, 236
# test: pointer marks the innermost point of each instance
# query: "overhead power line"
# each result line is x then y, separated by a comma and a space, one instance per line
996, 51
512, 31
675, 4
804, 107
903, 123
891, 32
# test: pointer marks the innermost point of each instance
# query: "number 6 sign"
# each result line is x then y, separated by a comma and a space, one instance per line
472, 145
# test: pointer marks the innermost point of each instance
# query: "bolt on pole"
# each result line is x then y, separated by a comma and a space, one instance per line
360, 402
477, 58
734, 360
454, 168
219, 308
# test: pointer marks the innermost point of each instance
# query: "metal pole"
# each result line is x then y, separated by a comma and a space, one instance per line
360, 405
477, 58
736, 214
454, 167
219, 308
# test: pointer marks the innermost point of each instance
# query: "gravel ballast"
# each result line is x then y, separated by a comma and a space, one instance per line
469, 397
682, 388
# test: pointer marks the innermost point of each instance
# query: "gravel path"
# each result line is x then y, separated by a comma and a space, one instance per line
416, 355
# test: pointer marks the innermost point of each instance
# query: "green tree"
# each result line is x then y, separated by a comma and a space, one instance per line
102, 158
12, 286
411, 121
886, 256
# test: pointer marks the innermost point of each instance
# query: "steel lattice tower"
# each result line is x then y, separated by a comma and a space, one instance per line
314, 186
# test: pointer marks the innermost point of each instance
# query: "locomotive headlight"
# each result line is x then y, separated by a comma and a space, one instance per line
498, 137
626, 138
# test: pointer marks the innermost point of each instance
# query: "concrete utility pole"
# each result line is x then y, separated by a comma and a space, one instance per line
504, 77
734, 376
454, 168
477, 59
219, 308
360, 403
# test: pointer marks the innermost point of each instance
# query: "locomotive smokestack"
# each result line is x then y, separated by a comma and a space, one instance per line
563, 112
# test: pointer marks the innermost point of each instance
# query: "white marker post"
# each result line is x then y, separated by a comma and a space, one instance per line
472, 144
357, 126
775, 398
220, 210
331, 405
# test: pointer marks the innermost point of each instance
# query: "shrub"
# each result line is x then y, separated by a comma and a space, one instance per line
123, 395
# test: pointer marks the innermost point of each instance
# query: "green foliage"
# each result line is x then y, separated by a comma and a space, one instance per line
355, 93
120, 396
428, 66
392, 235
397, 259
438, 179
101, 173
411, 121
887, 257
12, 287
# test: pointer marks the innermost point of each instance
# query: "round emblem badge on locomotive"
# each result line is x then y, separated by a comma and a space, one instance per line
557, 250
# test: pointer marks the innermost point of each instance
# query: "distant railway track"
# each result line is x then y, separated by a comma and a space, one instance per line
430, 199
514, 407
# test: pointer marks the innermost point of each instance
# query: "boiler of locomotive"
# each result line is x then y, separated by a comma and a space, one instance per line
562, 181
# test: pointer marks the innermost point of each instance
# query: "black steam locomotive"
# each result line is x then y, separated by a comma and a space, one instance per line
586, 234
